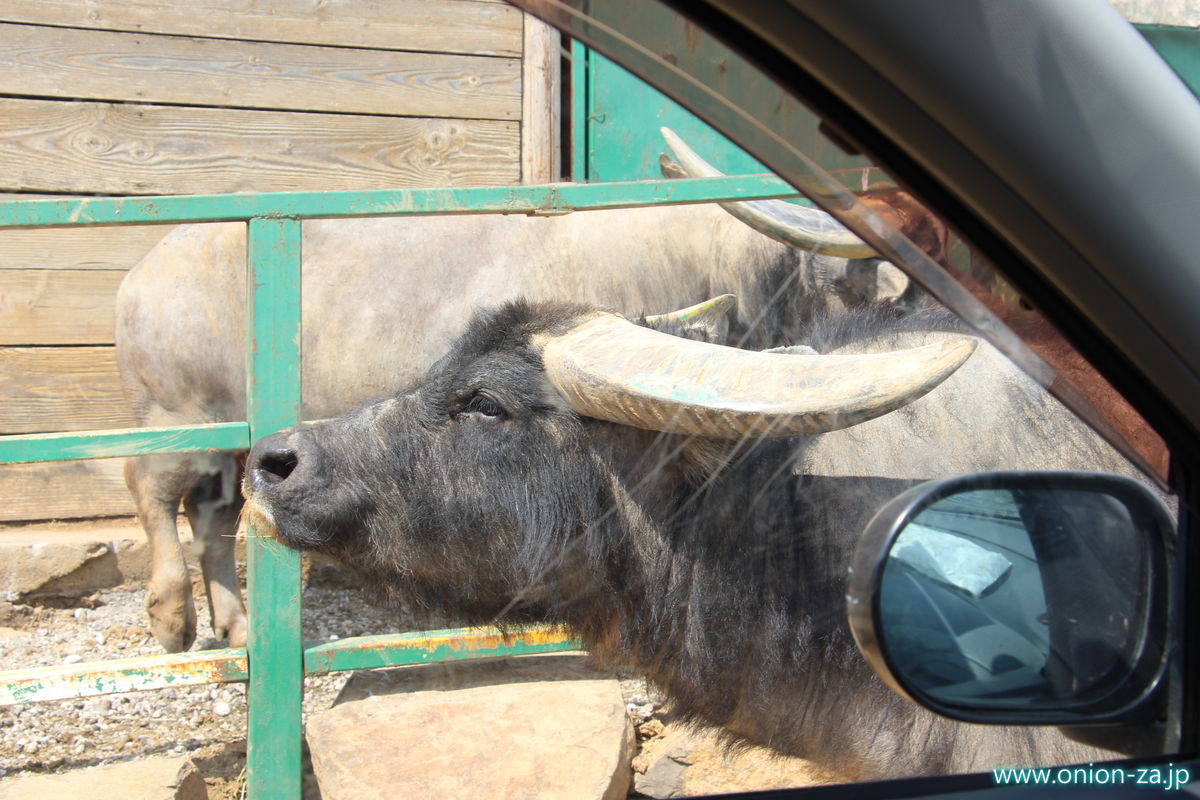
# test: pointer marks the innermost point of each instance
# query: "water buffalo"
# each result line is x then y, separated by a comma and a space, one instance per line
689, 509
384, 297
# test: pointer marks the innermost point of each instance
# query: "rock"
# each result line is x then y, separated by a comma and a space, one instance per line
146, 779
57, 568
650, 728
64, 560
641, 712
75, 559
534, 726
662, 779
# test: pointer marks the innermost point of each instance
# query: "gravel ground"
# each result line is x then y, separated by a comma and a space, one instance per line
206, 723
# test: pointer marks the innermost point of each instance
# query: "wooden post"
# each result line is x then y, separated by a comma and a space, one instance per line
541, 83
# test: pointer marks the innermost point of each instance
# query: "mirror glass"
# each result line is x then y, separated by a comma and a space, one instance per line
1018, 598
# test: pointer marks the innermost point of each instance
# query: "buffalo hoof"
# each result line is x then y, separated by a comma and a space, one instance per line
234, 632
172, 623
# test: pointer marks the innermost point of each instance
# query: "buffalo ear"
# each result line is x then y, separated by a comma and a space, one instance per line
703, 322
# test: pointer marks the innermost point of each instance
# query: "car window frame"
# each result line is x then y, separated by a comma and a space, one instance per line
786, 43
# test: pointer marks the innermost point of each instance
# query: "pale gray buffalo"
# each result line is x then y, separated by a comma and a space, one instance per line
384, 297
689, 509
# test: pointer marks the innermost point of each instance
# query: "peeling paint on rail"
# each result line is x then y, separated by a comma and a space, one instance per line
457, 644
123, 675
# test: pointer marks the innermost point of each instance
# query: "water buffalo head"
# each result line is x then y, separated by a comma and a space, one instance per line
514, 478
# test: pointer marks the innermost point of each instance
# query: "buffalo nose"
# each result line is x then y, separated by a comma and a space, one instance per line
271, 461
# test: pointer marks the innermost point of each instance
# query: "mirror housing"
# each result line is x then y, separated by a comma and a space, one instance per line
1018, 597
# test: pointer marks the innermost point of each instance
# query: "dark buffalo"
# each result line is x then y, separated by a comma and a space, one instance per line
684, 507
384, 297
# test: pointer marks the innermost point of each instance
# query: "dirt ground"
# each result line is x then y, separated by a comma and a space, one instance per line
205, 723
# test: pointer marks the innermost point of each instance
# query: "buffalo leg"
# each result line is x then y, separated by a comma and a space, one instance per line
158, 483
212, 507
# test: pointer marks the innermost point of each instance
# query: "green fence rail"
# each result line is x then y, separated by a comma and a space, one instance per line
549, 199
275, 660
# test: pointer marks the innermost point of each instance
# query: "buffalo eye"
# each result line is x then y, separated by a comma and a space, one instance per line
481, 408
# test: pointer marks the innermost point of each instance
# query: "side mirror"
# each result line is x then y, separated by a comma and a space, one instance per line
1017, 597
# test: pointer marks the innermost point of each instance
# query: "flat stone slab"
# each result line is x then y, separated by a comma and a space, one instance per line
548, 726
74, 559
70, 561
145, 779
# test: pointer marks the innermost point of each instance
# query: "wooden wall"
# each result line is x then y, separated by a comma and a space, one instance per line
135, 97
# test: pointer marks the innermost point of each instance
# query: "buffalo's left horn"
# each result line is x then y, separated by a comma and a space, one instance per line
708, 311
608, 368
797, 226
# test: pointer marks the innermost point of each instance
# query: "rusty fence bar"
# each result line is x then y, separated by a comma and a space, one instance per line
147, 673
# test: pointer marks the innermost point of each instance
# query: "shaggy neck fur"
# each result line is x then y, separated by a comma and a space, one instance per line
725, 599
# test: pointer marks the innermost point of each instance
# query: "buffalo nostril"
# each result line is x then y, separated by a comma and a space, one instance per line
273, 460
276, 466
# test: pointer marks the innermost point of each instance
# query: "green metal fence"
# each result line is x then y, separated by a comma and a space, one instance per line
275, 660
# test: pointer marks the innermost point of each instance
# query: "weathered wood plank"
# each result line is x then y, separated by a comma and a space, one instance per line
100, 65
64, 490
541, 159
104, 148
57, 306
426, 25
76, 248
60, 389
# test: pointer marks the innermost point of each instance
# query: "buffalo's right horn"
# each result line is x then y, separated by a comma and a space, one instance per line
608, 368
797, 226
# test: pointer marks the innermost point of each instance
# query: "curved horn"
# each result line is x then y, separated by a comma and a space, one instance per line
608, 368
797, 226
702, 313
